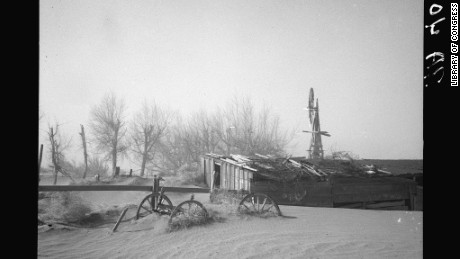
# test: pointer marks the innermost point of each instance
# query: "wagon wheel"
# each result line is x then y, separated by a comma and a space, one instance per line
259, 204
188, 213
146, 207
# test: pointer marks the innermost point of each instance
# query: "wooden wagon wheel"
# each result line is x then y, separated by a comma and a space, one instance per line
259, 204
146, 207
188, 213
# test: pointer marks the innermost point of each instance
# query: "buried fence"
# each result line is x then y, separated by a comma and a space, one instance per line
156, 201
186, 213
82, 188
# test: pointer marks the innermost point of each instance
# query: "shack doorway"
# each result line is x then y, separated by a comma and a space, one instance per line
216, 176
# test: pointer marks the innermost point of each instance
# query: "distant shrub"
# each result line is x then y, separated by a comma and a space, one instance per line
97, 166
71, 167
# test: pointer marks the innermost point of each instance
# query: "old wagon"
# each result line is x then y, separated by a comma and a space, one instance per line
299, 182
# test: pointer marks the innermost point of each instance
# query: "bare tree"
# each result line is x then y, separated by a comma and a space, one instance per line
200, 135
238, 128
225, 128
97, 167
108, 127
85, 153
148, 127
58, 145
173, 153
188, 139
243, 129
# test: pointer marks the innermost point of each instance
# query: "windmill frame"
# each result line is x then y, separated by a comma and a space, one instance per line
316, 146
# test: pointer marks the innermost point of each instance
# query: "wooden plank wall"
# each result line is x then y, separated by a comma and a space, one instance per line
203, 171
209, 169
236, 172
232, 177
228, 176
250, 176
369, 192
223, 171
315, 194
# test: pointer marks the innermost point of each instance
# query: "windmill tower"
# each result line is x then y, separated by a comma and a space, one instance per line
316, 146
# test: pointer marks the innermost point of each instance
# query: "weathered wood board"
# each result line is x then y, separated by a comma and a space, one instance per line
371, 189
352, 192
333, 191
315, 194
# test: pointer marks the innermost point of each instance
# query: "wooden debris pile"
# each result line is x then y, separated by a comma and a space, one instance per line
289, 169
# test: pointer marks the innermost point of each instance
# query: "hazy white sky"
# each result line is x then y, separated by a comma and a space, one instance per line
362, 57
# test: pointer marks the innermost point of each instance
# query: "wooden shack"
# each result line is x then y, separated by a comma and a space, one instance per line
223, 173
300, 183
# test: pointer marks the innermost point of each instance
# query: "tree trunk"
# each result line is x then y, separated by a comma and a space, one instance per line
144, 162
114, 162
114, 151
55, 176
144, 155
85, 154
53, 156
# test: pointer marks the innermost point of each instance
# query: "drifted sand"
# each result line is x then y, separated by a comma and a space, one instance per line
305, 233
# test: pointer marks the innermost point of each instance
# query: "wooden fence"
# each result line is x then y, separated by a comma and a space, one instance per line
80, 188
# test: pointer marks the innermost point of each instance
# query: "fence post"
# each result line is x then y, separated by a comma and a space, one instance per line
130, 172
155, 190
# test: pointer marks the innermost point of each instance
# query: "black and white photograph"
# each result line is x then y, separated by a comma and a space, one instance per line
232, 128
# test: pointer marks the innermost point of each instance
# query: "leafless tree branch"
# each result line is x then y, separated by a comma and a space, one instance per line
108, 127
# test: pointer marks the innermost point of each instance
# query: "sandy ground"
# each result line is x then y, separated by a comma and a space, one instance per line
305, 233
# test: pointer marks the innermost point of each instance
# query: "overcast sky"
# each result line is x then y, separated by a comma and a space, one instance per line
362, 57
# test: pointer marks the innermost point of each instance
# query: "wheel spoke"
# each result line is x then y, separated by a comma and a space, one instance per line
187, 215
252, 202
197, 211
263, 208
146, 209
263, 205
268, 209
160, 200
154, 203
246, 206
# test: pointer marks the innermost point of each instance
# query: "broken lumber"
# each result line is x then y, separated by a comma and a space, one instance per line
119, 219
262, 156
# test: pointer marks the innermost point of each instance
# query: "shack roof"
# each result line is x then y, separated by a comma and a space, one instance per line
289, 169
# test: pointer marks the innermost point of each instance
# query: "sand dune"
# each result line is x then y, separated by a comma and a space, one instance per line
305, 233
